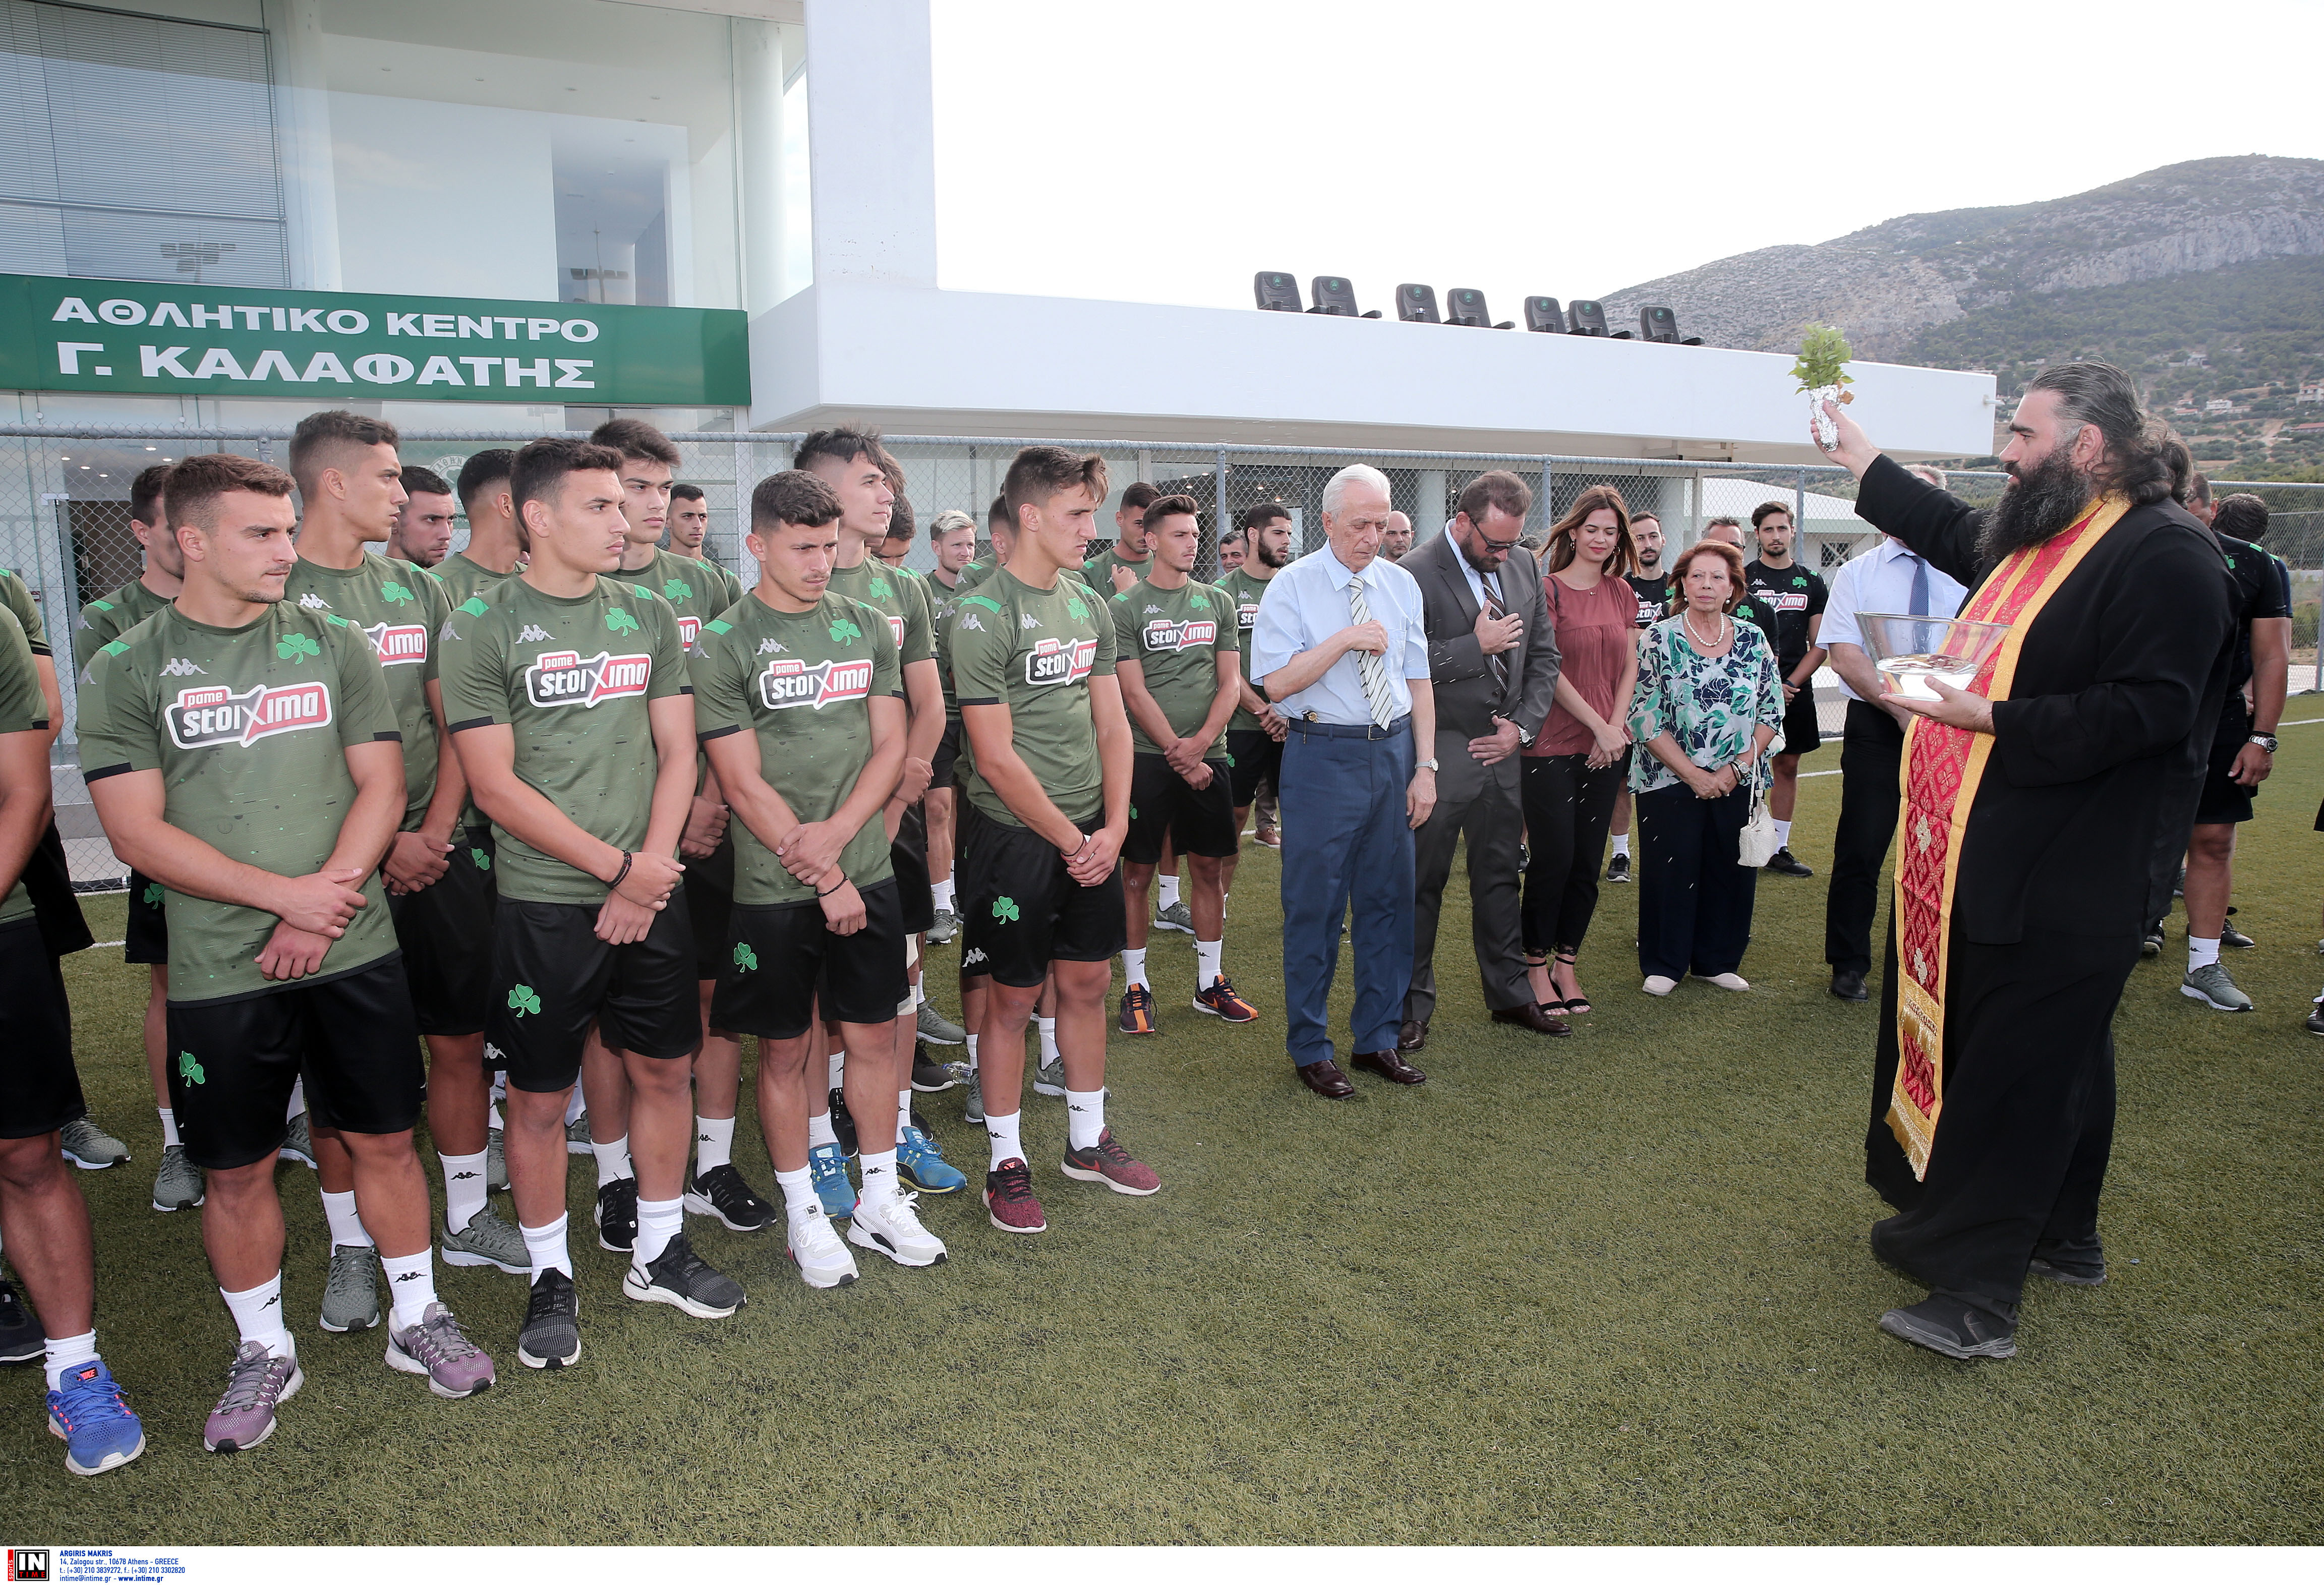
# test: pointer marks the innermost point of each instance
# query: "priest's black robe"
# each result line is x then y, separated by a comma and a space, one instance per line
2117, 687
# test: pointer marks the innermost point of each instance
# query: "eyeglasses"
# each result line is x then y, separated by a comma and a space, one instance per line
1498, 547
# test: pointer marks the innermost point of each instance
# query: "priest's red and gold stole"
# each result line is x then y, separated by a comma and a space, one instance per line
1942, 768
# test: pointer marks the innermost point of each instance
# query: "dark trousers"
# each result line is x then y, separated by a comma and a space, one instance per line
1346, 840
1567, 808
1871, 757
2021, 1148
1694, 901
1480, 803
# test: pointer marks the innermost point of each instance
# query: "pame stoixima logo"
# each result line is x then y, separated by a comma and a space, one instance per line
564, 678
790, 685
28, 1562
1165, 636
689, 628
1055, 660
211, 718
405, 645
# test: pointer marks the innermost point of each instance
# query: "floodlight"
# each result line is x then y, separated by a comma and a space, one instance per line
1276, 291
1334, 295
1416, 304
1542, 313
1656, 323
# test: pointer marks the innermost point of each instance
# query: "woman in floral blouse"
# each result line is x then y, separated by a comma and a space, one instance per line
1708, 702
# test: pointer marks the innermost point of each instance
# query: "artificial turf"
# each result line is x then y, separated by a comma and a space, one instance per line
1611, 1288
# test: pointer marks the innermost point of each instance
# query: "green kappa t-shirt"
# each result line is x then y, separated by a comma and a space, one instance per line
102, 620
691, 590
21, 709
896, 599
249, 727
462, 577
17, 596
943, 600
803, 682
1175, 636
573, 678
729, 588
1035, 652
1097, 571
400, 608
1244, 591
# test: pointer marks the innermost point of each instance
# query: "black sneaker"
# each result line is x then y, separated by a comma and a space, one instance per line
2315, 1024
2080, 1268
930, 1077
1783, 864
722, 1192
2151, 946
2231, 936
1617, 869
843, 1124
683, 1280
550, 1338
617, 1216
20, 1340
1954, 1328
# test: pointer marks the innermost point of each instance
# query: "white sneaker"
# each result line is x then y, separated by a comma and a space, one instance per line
1729, 981
1659, 985
894, 1230
823, 1261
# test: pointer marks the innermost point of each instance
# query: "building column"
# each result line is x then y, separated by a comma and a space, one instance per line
303, 124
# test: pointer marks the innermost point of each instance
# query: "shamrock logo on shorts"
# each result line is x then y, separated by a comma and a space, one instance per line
524, 999
744, 958
677, 589
845, 632
484, 860
1133, 811
473, 606
621, 621
189, 1070
296, 647
1005, 909
395, 594
152, 893
1229, 761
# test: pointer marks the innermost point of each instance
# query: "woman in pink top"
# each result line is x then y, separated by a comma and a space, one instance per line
1577, 762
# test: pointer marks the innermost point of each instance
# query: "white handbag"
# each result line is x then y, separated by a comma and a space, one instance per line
1756, 843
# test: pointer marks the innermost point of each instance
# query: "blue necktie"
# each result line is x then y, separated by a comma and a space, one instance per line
1919, 588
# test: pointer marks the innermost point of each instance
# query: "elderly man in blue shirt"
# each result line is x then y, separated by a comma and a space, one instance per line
1341, 650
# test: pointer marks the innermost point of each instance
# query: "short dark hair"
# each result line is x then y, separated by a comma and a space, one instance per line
1140, 496
1231, 537
1259, 516
333, 427
2092, 393
793, 496
902, 523
540, 469
192, 490
419, 481
1163, 506
1041, 472
481, 472
686, 493
845, 443
1722, 521
1768, 509
2240, 517
145, 495
1646, 516
636, 440
1496, 488
998, 512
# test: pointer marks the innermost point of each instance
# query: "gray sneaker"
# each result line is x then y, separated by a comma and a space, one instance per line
576, 1136
90, 1147
178, 1186
1049, 1079
439, 1351
496, 1165
487, 1240
945, 928
973, 1108
1176, 917
255, 1383
2211, 986
351, 1292
298, 1142
939, 1030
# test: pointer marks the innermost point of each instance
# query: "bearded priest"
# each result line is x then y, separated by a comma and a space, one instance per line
2032, 803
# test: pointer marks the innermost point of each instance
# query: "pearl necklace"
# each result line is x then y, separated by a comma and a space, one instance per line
1710, 643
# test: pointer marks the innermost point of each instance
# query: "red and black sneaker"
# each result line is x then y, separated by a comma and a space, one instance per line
1009, 1199
1221, 1001
1106, 1162
1137, 1010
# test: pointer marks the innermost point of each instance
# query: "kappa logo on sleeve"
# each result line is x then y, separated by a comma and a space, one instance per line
212, 717
1056, 660
403, 644
1167, 636
790, 685
564, 678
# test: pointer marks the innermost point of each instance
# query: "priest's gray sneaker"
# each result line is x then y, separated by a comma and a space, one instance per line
496, 1165
178, 1186
973, 1106
351, 1292
299, 1142
1953, 1328
945, 928
2211, 986
576, 1136
1049, 1078
1176, 917
939, 1030
487, 1240
90, 1147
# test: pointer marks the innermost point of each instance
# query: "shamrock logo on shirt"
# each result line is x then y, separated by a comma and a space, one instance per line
621, 621
395, 594
845, 632
877, 588
189, 1070
1005, 907
677, 589
524, 999
296, 647
484, 860
745, 959
1074, 607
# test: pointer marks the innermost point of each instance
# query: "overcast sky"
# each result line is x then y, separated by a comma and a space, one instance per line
1164, 153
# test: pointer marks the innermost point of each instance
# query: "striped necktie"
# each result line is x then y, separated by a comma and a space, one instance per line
1499, 661
1371, 668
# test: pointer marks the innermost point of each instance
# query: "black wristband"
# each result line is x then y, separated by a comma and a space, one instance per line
842, 880
622, 874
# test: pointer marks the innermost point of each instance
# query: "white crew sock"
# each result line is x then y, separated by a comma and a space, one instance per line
1169, 893
464, 1188
837, 1066
798, 1194
714, 1143
819, 1131
1783, 834
546, 1245
493, 1120
1049, 1040
298, 1098
658, 1221
258, 1316
613, 1160
1133, 972
1622, 845
169, 1126
878, 1177
1085, 1116
903, 1112
346, 1226
411, 1285
65, 1353
1002, 1133
577, 1106
2200, 953
972, 1053
941, 890
1207, 954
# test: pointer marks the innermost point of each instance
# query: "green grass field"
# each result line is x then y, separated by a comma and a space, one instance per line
1612, 1288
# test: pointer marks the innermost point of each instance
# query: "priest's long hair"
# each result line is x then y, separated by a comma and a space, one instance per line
2092, 393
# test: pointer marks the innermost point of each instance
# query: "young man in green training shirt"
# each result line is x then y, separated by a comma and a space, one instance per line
574, 719
496, 546
1045, 775
1181, 673
953, 539
1256, 732
350, 485
244, 751
1123, 563
422, 535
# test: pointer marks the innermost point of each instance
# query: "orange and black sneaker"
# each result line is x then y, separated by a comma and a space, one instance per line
1137, 1011
1221, 1001
1106, 1162
1009, 1198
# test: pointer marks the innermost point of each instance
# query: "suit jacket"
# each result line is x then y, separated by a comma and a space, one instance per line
1458, 673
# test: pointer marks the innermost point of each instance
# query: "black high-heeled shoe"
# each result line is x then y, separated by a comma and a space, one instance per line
1573, 1004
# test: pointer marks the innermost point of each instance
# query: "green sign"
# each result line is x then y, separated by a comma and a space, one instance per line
170, 338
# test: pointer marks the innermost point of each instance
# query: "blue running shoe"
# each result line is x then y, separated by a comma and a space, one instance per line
922, 1165
100, 1433
829, 1169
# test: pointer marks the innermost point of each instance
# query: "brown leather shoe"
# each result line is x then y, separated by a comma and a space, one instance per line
1532, 1016
1389, 1065
1413, 1036
1326, 1079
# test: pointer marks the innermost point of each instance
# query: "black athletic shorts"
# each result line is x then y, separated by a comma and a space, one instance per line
147, 939
446, 931
1021, 911
551, 976
39, 1088
352, 1036
709, 894
948, 757
2223, 801
1162, 807
907, 855
781, 957
1800, 734
1252, 758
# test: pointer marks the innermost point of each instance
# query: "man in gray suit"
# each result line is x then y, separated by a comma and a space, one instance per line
1492, 662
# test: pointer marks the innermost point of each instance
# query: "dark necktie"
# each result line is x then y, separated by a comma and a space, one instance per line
1920, 588
1499, 660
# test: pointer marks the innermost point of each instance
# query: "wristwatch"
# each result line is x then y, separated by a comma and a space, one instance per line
1425, 765
2265, 740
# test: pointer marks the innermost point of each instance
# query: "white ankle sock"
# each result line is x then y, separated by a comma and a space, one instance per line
65, 1353
971, 1054
658, 1221
464, 1188
1049, 1040
1002, 1133
346, 1226
1085, 1116
258, 1316
1167, 893
2201, 953
819, 1131
411, 1285
798, 1192
714, 1143
546, 1245
169, 1126
493, 1120
1133, 971
941, 890
1622, 845
613, 1160
1207, 954
297, 1098
879, 1177
903, 1112
1783, 834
